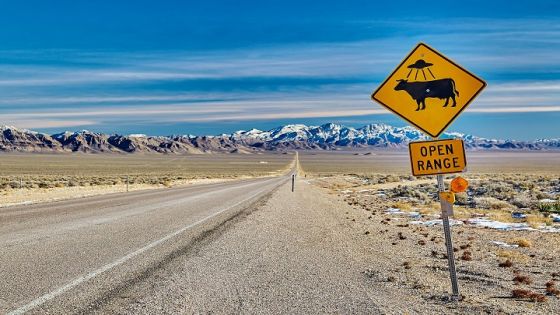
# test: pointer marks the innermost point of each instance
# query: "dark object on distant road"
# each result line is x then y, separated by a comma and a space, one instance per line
419, 91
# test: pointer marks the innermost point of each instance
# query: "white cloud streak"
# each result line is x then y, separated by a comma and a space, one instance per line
30, 95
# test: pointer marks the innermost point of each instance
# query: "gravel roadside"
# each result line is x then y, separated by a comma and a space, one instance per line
293, 255
308, 252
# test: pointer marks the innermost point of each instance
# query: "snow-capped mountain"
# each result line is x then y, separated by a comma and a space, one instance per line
325, 137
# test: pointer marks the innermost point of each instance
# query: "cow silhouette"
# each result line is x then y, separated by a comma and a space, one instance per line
420, 90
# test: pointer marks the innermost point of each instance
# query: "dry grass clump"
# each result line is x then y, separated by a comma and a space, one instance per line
513, 255
549, 206
536, 220
506, 264
491, 203
522, 279
551, 288
420, 194
524, 201
402, 205
467, 256
501, 216
527, 294
522, 242
382, 179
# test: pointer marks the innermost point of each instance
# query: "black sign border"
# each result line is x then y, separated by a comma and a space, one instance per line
449, 60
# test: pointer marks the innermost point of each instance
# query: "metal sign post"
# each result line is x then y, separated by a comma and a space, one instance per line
293, 181
446, 211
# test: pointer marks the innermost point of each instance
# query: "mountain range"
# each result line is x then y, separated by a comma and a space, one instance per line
329, 136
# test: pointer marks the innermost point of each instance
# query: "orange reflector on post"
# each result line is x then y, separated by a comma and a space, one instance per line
459, 184
447, 196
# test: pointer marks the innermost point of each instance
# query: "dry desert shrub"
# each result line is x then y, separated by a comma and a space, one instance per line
464, 213
492, 187
467, 256
429, 210
522, 242
45, 185
513, 255
491, 203
529, 295
506, 264
537, 220
418, 193
524, 201
403, 205
551, 288
522, 279
502, 216
461, 199
388, 179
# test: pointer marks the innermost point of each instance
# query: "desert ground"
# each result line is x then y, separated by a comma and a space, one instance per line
31, 178
226, 234
505, 264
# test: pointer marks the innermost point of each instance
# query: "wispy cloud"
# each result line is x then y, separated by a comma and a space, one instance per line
298, 80
48, 123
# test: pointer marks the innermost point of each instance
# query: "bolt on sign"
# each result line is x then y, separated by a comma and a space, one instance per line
437, 157
428, 90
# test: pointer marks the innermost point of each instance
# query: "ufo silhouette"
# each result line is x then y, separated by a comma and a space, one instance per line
420, 64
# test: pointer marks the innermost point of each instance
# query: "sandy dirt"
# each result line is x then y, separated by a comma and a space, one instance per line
12, 197
33, 178
412, 258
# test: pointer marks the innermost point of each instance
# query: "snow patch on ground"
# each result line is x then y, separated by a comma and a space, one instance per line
504, 244
437, 222
487, 223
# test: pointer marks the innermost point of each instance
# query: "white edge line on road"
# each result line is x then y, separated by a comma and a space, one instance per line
36, 233
49, 296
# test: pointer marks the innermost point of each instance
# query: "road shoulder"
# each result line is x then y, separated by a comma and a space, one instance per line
293, 255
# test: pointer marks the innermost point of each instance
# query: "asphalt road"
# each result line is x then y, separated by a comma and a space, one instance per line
73, 256
290, 253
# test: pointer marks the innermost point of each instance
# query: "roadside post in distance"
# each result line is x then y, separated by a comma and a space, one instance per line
429, 91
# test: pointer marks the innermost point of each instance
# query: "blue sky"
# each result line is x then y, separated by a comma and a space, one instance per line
210, 67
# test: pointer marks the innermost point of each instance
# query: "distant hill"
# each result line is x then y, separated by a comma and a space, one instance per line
325, 137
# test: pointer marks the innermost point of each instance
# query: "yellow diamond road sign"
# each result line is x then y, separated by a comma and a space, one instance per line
428, 90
